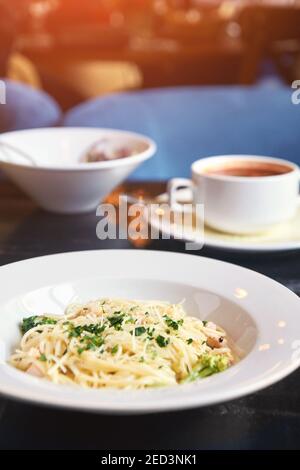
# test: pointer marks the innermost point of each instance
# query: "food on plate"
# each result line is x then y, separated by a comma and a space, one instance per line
122, 344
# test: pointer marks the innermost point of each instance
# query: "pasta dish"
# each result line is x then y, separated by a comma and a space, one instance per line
122, 344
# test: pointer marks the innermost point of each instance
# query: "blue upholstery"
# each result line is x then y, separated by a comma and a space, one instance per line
188, 123
27, 108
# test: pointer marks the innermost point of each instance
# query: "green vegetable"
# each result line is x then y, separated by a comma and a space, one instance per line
76, 331
208, 365
161, 341
89, 336
116, 321
204, 322
93, 342
189, 341
42, 358
172, 323
150, 332
115, 349
140, 330
31, 322
90, 343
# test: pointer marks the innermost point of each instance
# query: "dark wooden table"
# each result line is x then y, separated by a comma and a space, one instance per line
269, 419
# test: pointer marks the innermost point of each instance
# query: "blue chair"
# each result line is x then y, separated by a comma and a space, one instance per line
189, 123
27, 108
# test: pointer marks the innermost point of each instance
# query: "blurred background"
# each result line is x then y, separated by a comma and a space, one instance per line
77, 50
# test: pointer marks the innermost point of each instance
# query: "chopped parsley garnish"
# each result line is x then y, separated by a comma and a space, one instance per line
42, 358
88, 335
189, 341
114, 350
31, 322
94, 342
204, 322
76, 331
150, 332
116, 321
94, 329
140, 330
90, 343
172, 323
162, 341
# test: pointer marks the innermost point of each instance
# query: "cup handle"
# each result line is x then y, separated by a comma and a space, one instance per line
172, 189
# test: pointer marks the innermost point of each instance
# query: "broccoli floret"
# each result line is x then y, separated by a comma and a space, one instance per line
216, 362
208, 365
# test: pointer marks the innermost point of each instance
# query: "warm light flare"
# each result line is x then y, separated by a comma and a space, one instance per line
240, 293
159, 212
227, 10
193, 16
264, 347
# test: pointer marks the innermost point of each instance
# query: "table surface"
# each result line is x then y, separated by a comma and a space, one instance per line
269, 419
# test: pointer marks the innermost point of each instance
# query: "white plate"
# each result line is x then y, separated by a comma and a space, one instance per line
260, 315
282, 237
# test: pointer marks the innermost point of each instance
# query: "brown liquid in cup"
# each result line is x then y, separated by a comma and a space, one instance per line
249, 169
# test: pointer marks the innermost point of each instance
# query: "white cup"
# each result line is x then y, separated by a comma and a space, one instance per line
241, 204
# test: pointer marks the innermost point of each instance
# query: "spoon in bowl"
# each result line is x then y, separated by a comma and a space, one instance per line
5, 146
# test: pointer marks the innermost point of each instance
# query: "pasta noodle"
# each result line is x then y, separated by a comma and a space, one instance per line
121, 344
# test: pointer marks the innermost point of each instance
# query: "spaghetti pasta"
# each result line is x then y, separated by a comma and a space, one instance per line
122, 344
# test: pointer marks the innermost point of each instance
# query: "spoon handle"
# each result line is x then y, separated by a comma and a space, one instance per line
21, 153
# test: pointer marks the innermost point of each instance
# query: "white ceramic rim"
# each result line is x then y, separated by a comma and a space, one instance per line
198, 166
225, 244
142, 156
211, 242
220, 388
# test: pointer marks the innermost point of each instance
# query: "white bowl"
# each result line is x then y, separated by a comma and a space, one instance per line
260, 315
58, 182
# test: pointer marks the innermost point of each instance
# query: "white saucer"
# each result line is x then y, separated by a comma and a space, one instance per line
282, 237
